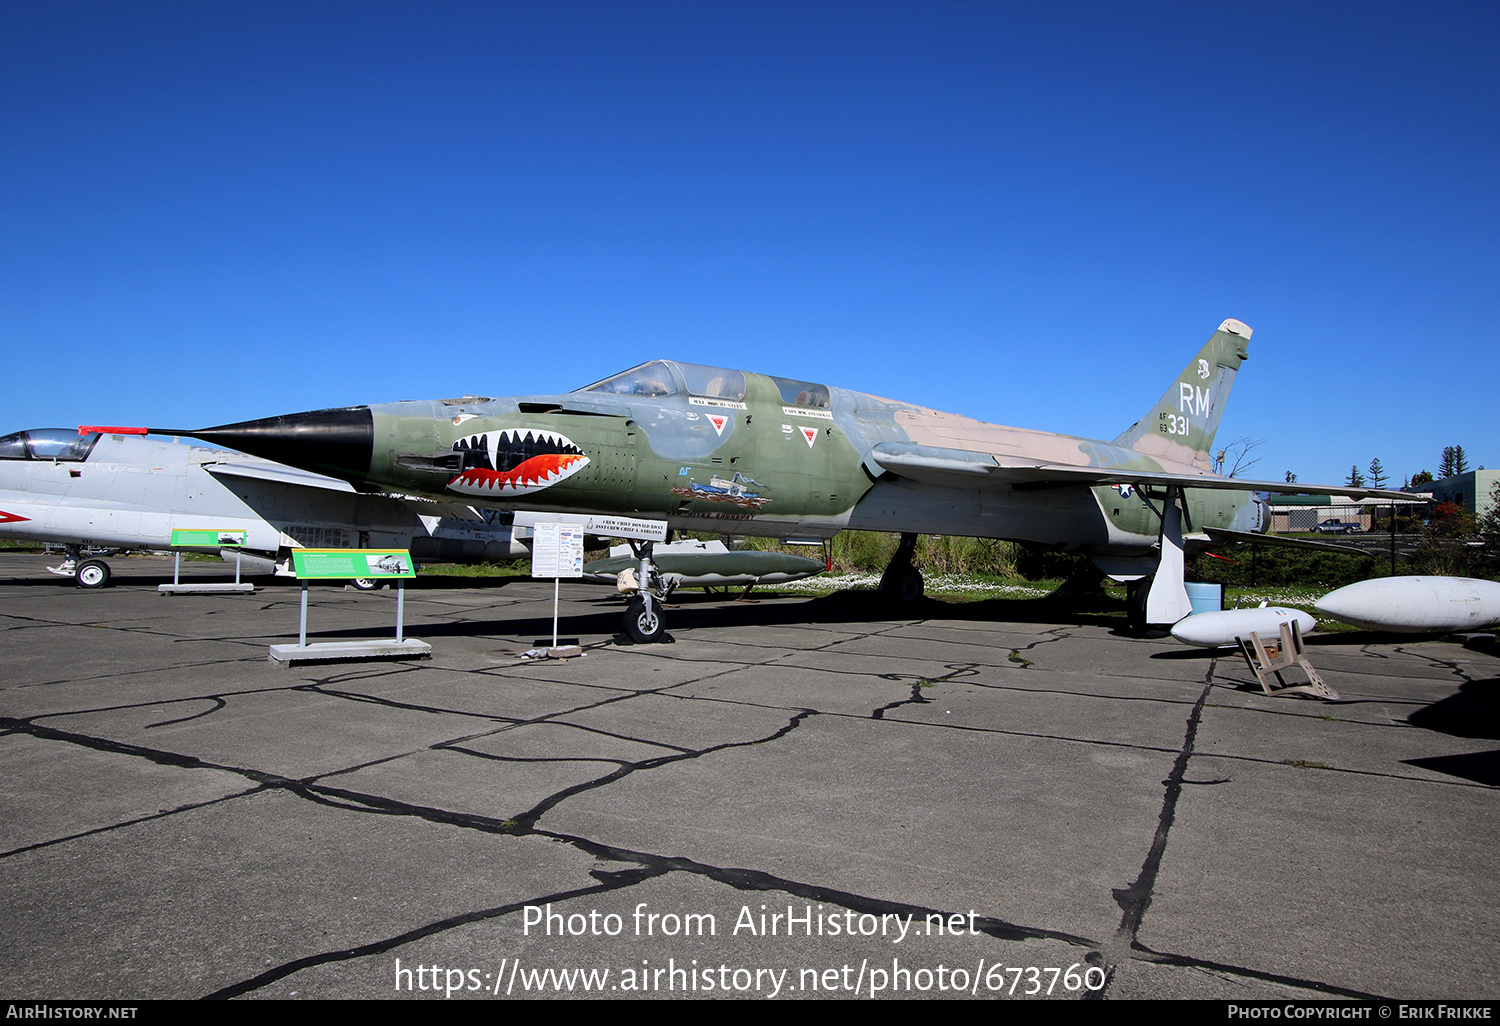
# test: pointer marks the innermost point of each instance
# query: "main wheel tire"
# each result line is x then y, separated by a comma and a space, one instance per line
92, 573
904, 585
365, 583
1136, 594
643, 623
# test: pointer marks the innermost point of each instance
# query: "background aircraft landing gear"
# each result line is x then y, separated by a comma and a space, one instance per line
643, 621
86, 573
92, 573
902, 581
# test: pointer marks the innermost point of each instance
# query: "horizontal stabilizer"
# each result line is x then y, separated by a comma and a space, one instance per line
1218, 534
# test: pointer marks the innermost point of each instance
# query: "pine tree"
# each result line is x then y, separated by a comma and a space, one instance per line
1445, 469
1356, 479
1377, 474
1460, 461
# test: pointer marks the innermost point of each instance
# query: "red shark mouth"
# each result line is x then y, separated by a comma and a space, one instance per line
515, 462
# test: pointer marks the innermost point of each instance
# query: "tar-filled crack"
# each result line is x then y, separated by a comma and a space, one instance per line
955, 670
216, 703
1447, 664
1134, 900
527, 820
1145, 954
525, 825
1056, 634
610, 882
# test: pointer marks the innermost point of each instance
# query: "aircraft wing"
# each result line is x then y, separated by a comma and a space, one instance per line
966, 469
277, 473
281, 474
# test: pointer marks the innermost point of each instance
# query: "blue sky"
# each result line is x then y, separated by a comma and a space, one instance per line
1032, 213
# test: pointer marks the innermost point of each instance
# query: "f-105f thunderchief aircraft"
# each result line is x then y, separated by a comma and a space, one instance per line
112, 488
707, 448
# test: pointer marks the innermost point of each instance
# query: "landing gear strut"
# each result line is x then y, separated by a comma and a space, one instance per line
644, 622
902, 581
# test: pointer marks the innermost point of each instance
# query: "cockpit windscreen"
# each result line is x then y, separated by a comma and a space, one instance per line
58, 444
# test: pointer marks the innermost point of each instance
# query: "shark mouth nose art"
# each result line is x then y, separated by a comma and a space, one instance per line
515, 462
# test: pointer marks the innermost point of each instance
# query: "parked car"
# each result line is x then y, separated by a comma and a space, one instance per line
1337, 527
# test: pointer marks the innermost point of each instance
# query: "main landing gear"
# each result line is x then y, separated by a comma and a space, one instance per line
902, 581
87, 573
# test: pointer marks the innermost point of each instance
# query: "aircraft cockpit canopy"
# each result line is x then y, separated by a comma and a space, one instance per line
667, 377
58, 444
803, 393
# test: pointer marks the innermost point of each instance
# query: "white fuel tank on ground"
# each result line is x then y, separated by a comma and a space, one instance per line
1415, 605
1220, 628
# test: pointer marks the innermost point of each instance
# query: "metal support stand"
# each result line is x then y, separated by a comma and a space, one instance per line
219, 588
1267, 659
400, 648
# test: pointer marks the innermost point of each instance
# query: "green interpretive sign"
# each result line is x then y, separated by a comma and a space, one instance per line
325, 564
206, 538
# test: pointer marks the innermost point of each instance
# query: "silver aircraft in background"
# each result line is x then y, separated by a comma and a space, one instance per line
117, 489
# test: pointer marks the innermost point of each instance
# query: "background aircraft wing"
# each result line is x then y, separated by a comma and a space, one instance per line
966, 469
276, 472
281, 474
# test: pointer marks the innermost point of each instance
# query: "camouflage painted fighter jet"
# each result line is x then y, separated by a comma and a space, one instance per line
706, 448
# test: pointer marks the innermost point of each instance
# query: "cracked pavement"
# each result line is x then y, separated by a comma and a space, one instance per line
184, 820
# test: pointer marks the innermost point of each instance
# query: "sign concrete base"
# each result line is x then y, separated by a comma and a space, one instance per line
205, 589
284, 655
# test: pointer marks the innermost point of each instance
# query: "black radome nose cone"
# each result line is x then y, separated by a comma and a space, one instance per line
334, 442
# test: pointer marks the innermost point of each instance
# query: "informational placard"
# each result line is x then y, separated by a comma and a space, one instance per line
336, 564
557, 550
599, 525
207, 538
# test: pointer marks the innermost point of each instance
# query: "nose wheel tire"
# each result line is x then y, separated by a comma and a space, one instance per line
365, 583
643, 623
92, 573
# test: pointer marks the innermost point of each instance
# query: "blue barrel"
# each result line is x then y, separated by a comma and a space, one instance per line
1206, 598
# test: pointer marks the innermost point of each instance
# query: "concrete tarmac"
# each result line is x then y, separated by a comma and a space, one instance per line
795, 798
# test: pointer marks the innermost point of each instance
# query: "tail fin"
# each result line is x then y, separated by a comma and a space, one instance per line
1181, 426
